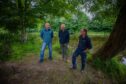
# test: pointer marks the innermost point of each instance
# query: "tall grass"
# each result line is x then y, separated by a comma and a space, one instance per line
113, 68
33, 45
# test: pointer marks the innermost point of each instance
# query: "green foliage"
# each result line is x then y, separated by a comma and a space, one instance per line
73, 23
56, 47
77, 22
13, 49
104, 8
56, 7
21, 14
113, 68
104, 13
99, 26
16, 14
6, 40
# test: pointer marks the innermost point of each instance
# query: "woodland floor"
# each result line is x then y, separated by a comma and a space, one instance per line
29, 71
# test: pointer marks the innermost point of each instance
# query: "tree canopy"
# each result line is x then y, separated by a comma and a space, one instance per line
110, 8
20, 14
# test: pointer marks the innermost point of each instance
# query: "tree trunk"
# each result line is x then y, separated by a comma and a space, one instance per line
117, 39
22, 13
23, 36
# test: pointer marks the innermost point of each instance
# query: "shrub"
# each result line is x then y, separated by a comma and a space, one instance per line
112, 67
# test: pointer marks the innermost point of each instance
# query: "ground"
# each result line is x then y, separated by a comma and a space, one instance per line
29, 71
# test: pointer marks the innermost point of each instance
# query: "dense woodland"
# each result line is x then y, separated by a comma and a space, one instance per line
22, 20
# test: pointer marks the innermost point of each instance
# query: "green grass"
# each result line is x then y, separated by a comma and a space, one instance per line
103, 34
115, 69
34, 43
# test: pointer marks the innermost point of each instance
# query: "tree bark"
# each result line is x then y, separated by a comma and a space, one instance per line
117, 39
23, 35
22, 14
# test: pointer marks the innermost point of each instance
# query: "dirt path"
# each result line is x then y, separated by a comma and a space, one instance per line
29, 71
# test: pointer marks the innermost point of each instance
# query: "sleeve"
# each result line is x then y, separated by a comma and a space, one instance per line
89, 44
59, 34
52, 34
68, 35
41, 34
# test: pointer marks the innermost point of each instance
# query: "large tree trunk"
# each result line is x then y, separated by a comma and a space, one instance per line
22, 14
23, 35
117, 39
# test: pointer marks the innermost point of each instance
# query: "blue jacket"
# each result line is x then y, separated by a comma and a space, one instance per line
64, 36
84, 43
47, 35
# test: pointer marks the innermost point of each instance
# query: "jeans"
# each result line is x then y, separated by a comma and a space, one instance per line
83, 58
64, 48
43, 50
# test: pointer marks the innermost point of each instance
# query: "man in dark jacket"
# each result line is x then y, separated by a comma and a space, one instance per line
64, 40
83, 46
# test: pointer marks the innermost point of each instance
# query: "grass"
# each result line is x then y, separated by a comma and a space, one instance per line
102, 34
19, 50
34, 43
113, 68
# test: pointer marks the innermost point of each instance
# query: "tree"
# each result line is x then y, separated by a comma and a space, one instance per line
101, 25
117, 40
17, 15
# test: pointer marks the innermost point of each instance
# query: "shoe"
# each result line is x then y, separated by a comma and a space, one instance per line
40, 61
73, 68
63, 58
82, 70
50, 59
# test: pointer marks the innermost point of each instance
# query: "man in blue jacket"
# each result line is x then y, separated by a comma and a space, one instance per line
46, 35
83, 46
64, 40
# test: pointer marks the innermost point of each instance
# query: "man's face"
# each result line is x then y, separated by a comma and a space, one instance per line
47, 25
62, 26
82, 32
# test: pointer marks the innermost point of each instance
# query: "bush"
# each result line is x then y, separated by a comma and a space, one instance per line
5, 45
113, 68
56, 47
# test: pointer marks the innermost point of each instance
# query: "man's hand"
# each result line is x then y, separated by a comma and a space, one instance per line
87, 50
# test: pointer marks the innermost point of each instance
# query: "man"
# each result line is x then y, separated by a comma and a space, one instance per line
83, 46
64, 40
46, 35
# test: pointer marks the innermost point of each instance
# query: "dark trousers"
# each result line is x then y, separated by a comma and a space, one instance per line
83, 58
64, 48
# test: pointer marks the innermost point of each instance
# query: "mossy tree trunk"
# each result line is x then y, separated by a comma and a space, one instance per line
117, 39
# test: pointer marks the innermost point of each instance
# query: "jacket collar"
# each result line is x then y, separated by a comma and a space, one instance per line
63, 31
83, 37
47, 30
